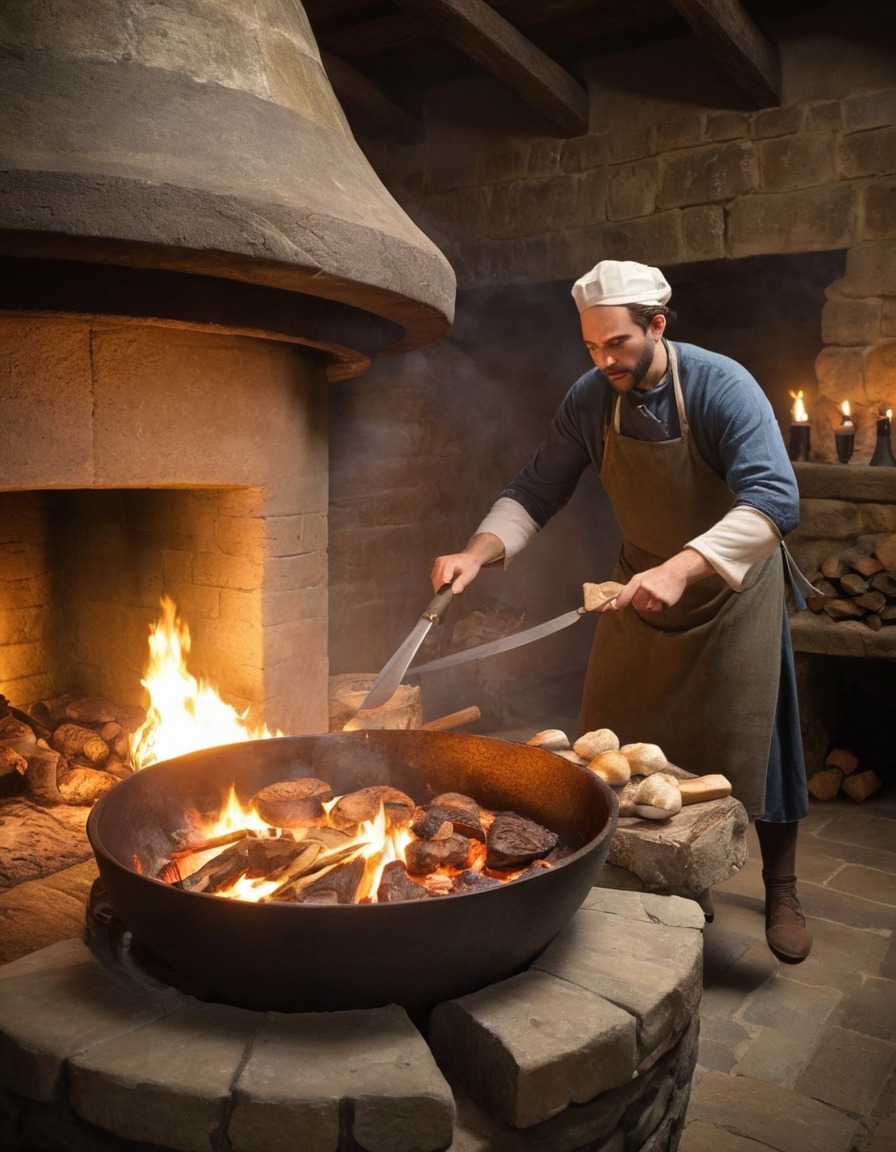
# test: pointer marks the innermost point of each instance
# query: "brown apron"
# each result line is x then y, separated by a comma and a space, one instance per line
700, 678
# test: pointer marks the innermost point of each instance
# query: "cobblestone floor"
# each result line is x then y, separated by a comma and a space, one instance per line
802, 1058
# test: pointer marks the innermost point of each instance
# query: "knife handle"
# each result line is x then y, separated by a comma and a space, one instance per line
438, 604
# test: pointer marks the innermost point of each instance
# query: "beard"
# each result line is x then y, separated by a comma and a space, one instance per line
634, 376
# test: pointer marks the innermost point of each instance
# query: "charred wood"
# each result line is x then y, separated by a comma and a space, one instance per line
355, 808
395, 885
424, 856
463, 812
293, 803
514, 840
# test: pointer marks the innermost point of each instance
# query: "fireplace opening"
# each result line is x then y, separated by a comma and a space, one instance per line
83, 574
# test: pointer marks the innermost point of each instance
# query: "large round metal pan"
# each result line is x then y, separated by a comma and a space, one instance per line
305, 957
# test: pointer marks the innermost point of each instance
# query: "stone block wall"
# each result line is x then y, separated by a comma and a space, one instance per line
676, 172
674, 181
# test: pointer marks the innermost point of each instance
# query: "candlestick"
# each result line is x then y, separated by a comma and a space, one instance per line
845, 439
883, 450
799, 440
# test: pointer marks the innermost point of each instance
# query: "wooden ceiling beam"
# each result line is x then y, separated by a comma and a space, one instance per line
747, 55
355, 91
477, 29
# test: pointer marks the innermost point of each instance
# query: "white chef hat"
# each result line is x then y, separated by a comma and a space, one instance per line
620, 282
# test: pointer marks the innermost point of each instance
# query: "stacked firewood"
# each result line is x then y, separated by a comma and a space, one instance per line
843, 773
67, 750
859, 583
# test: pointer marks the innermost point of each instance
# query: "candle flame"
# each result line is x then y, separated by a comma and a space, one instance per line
844, 408
798, 411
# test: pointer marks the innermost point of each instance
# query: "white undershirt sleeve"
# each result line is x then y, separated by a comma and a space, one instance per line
741, 538
513, 526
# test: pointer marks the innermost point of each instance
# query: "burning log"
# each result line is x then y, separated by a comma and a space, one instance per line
293, 803
472, 881
463, 812
207, 845
340, 886
424, 856
395, 885
431, 824
513, 840
267, 855
355, 808
218, 873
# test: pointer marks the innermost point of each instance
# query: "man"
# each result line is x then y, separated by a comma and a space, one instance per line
697, 656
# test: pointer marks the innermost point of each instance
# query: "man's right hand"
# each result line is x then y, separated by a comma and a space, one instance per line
461, 568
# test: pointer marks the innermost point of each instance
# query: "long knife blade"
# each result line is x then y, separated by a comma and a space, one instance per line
505, 644
386, 684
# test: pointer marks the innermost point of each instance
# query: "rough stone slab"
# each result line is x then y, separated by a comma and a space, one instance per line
39, 913
770, 1115
649, 969
182, 1066
303, 1066
50, 1013
627, 1117
849, 1070
700, 1137
530, 1046
649, 907
700, 846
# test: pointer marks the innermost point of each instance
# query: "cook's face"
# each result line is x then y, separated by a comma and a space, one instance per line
617, 345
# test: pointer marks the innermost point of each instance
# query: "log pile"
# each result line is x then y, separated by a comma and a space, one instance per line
67, 750
843, 773
859, 583
318, 849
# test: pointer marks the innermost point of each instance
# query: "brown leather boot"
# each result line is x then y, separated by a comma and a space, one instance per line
785, 926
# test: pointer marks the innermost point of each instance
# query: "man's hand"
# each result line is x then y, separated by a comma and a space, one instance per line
462, 568
661, 587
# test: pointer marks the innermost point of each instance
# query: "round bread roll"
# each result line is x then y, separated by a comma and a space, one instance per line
591, 744
645, 758
612, 767
551, 739
657, 797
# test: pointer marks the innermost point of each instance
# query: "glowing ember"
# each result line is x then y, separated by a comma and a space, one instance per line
184, 715
241, 857
798, 411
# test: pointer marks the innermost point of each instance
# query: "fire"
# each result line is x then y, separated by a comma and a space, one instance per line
184, 715
376, 841
798, 411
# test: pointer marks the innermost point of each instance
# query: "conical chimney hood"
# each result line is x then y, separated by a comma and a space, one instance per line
201, 145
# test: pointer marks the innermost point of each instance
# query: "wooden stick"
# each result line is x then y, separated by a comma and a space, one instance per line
452, 720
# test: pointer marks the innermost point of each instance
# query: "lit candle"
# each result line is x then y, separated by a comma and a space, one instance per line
845, 435
799, 428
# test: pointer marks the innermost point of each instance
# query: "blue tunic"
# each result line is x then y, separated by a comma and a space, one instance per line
736, 433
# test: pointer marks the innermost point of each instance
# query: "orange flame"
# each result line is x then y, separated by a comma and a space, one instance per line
798, 412
184, 715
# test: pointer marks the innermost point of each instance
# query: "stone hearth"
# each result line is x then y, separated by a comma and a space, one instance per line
588, 1048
